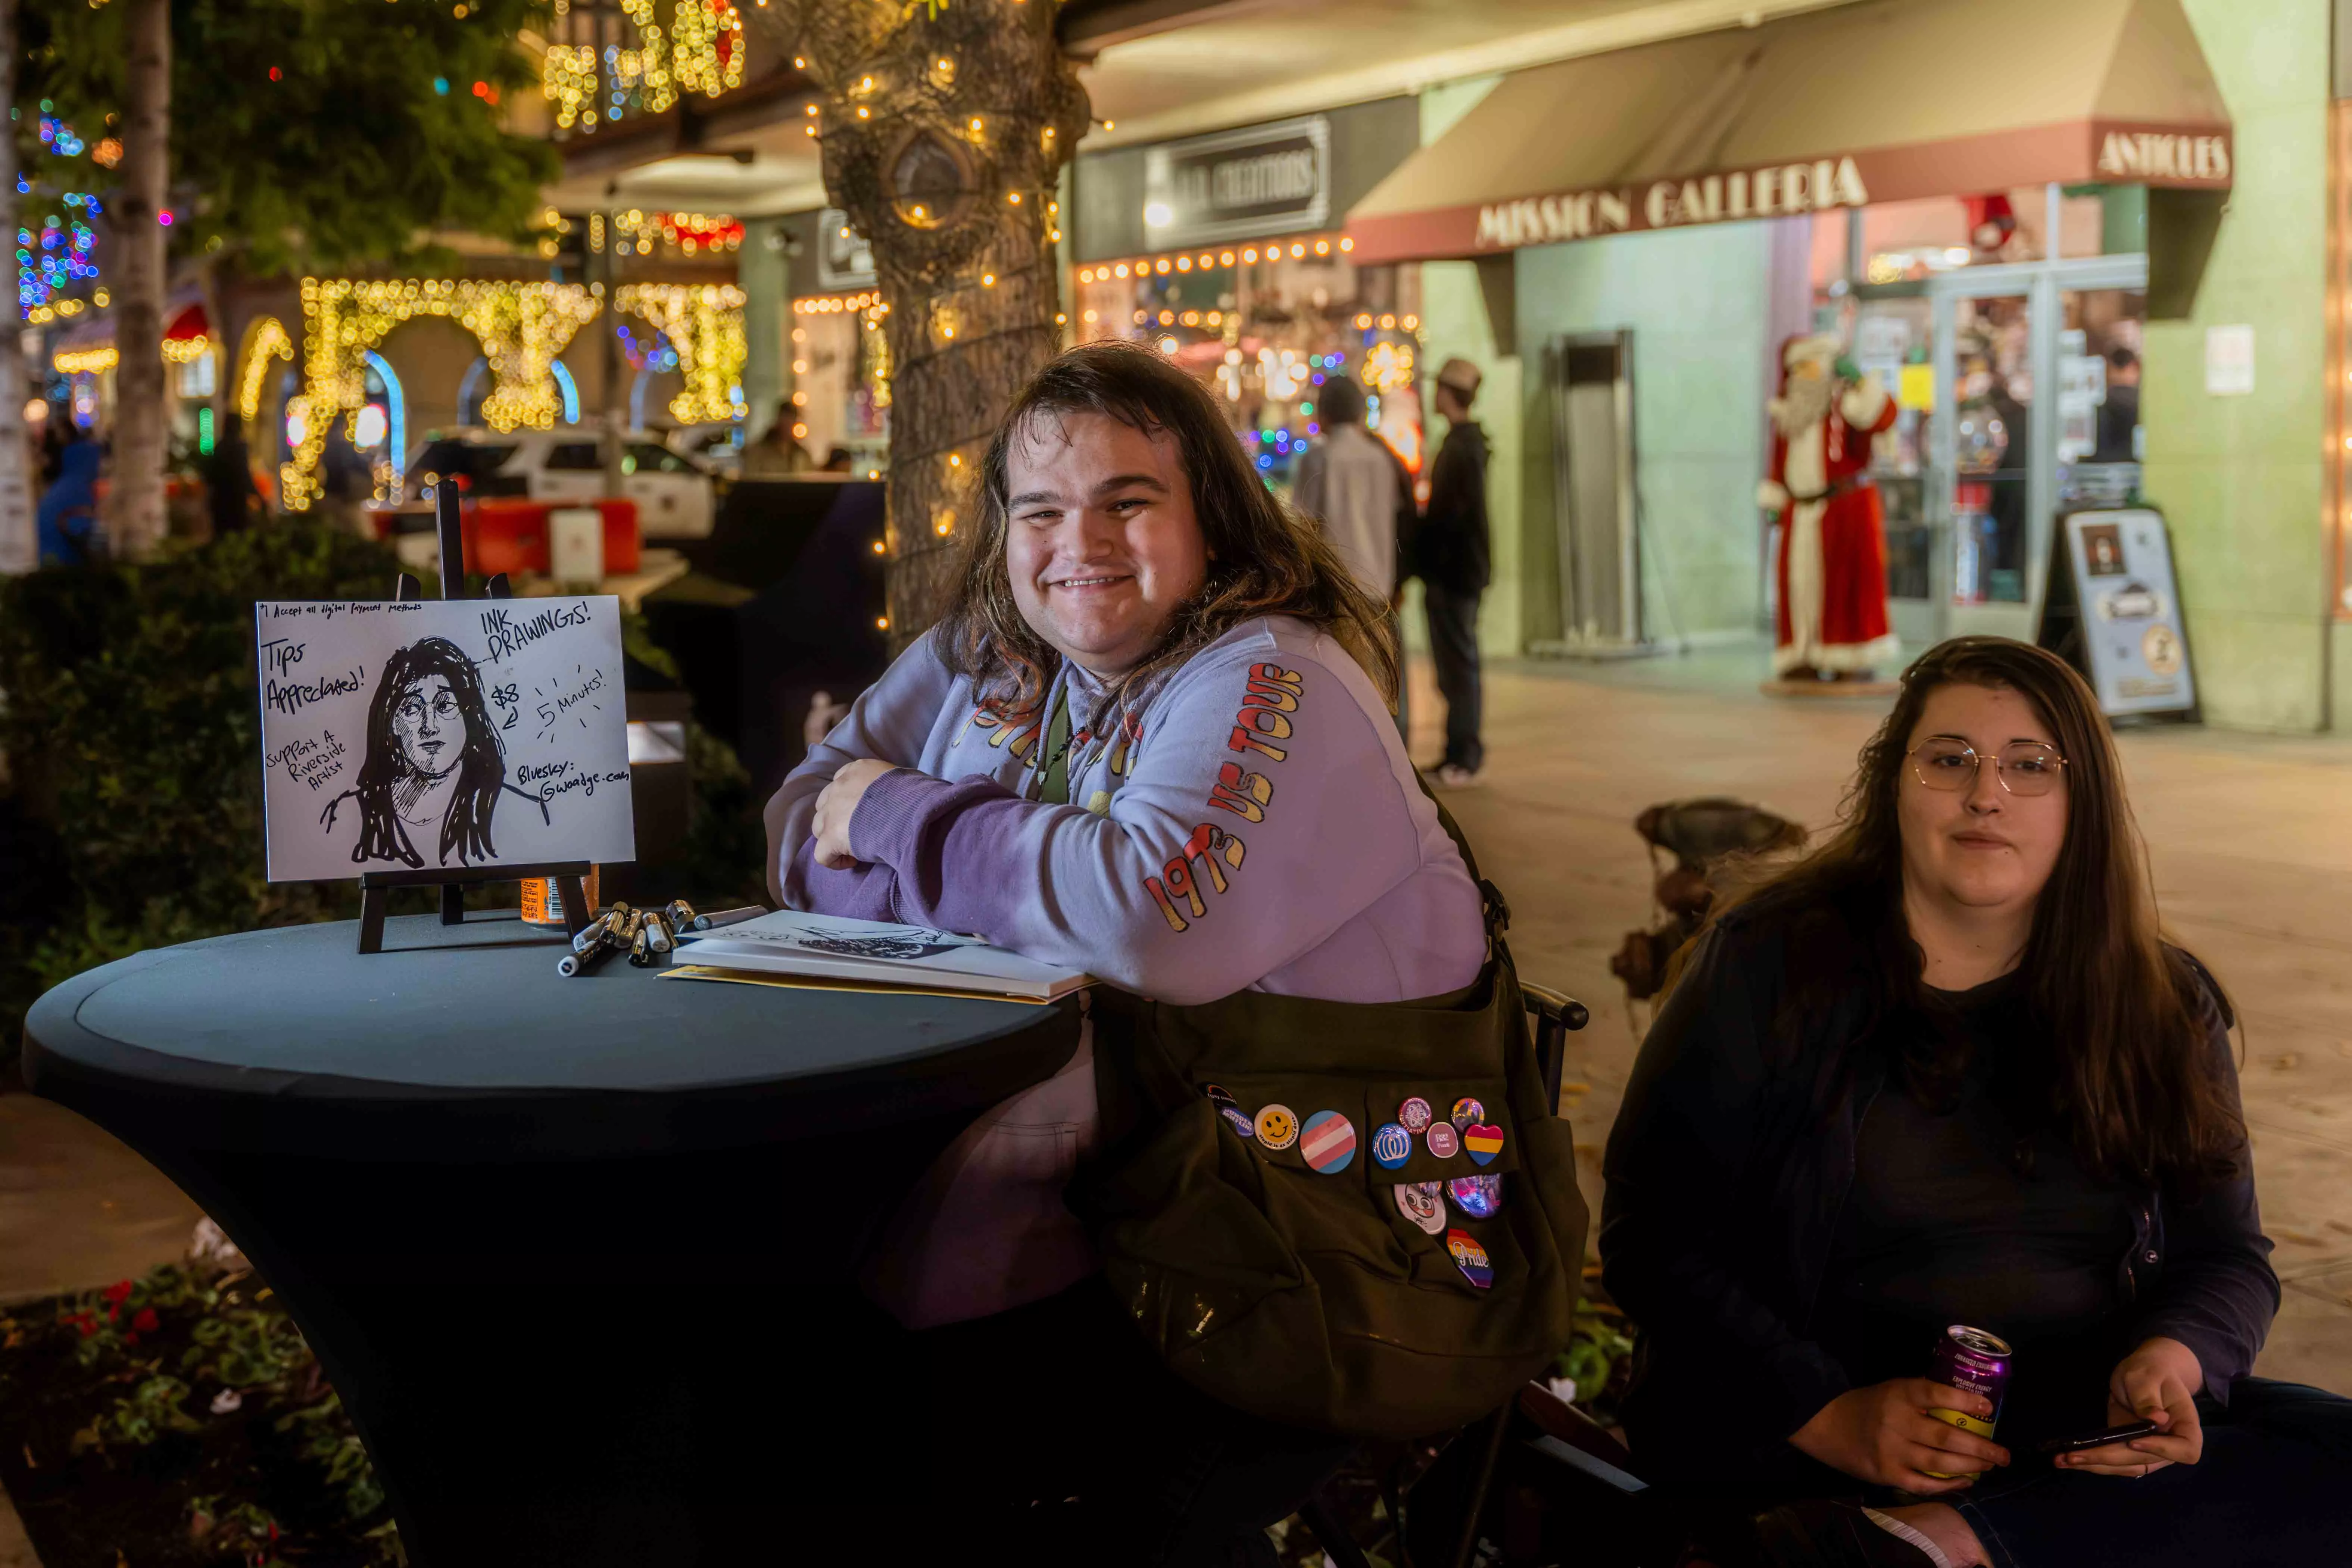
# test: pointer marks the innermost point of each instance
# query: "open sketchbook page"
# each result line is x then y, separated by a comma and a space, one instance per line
863, 988
835, 947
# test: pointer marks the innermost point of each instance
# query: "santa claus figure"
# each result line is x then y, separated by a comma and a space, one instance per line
1832, 565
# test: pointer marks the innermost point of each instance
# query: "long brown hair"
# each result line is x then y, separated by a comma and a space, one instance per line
2125, 1016
1263, 561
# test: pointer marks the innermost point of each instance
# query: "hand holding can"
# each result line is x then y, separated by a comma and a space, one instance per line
1972, 1361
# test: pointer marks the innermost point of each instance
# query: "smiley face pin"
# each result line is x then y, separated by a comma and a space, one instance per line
1278, 1127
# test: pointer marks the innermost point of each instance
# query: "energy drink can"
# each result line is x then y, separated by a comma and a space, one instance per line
1977, 1363
542, 901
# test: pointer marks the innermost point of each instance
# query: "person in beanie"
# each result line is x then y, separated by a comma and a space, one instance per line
1456, 565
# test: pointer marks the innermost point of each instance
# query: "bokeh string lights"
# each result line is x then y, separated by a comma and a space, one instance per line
521, 327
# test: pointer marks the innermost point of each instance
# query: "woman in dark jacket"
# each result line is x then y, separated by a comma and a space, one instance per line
1947, 1071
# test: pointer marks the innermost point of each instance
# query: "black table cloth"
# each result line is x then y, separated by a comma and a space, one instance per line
579, 1253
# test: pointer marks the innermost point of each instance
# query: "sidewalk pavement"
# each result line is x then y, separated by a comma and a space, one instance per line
2250, 837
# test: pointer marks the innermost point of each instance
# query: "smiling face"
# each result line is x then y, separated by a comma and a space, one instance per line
1101, 540
1981, 847
429, 726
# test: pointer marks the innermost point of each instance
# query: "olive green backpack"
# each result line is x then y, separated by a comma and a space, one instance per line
1311, 1299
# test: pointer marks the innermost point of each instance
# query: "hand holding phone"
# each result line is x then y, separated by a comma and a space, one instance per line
2123, 1433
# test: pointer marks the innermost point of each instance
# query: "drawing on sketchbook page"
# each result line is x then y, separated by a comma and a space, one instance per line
486, 733
433, 770
911, 944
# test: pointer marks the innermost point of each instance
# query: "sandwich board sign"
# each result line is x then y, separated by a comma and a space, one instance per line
2134, 643
442, 735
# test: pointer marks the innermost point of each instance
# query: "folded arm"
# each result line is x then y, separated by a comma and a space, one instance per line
1261, 815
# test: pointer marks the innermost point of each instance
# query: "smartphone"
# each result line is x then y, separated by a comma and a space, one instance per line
2101, 1439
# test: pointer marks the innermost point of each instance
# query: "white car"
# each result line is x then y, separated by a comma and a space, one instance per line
673, 491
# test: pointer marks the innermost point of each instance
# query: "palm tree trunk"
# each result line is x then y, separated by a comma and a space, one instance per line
134, 502
944, 130
18, 546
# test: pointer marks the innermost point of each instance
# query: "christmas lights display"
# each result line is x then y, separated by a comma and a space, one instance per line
704, 325
592, 79
1266, 325
690, 233
265, 340
56, 256
520, 326
1175, 263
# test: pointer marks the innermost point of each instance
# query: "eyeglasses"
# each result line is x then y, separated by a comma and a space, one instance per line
2025, 768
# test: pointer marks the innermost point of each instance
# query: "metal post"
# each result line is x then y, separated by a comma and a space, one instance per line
2046, 314
1943, 465
604, 272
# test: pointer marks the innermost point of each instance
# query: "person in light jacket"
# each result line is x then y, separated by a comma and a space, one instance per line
1149, 741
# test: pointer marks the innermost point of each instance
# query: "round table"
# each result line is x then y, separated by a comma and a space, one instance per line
579, 1253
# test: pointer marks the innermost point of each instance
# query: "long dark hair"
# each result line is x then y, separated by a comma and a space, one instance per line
2125, 1017
1265, 560
482, 765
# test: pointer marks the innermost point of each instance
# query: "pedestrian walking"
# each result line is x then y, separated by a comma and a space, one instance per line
1351, 483
1456, 564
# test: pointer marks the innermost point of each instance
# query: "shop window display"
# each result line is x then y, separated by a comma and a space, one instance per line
841, 380
1263, 326
1907, 251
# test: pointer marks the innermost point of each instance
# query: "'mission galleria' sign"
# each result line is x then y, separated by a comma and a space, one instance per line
1780, 191
2071, 153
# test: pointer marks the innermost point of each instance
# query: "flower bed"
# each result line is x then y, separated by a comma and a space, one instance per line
180, 1419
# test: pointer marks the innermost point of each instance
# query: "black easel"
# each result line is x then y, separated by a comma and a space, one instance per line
374, 885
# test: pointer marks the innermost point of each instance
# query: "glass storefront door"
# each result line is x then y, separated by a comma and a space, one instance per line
2028, 403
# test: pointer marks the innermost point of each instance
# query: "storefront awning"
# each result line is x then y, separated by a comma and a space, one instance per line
1888, 100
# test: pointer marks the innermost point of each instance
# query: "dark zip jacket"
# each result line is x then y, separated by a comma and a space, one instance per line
1452, 547
1727, 1171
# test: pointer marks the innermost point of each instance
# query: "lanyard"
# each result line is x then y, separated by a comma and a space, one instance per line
1053, 781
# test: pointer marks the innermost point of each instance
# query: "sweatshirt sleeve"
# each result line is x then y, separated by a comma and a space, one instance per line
889, 722
1261, 814
1680, 1143
2217, 1293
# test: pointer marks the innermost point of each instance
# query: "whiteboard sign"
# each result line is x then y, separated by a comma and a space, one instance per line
441, 734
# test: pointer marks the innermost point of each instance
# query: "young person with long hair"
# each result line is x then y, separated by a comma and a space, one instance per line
1153, 741
1946, 1070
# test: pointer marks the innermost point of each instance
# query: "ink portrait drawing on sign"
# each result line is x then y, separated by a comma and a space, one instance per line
442, 736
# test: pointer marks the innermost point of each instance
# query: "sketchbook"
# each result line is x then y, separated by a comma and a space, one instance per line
912, 957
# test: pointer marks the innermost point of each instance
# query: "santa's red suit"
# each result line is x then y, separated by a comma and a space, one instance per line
1832, 563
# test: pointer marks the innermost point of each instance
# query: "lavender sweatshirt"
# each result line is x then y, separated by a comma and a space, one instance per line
1254, 823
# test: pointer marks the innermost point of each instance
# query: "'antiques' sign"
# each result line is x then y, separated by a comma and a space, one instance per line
1237, 184
2164, 158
